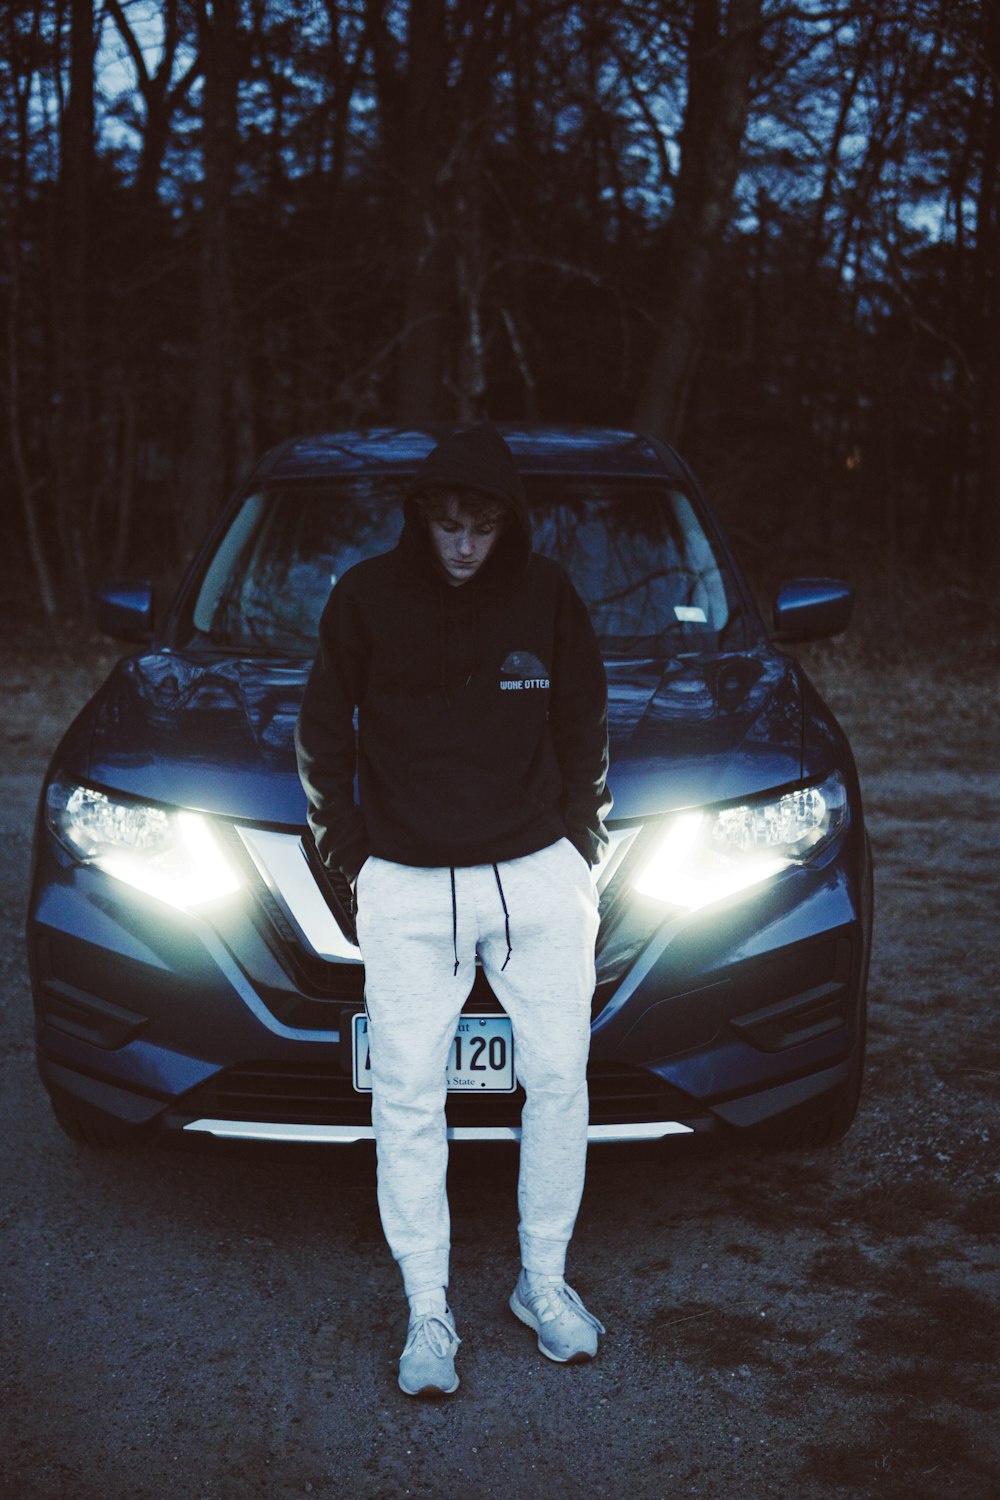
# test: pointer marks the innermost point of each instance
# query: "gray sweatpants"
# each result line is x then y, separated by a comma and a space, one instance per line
414, 998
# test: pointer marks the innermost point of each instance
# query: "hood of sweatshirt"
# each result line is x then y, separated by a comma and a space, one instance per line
476, 458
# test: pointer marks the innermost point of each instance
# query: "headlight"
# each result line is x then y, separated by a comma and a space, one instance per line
173, 855
707, 854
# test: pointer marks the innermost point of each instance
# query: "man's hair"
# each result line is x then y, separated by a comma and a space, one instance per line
434, 502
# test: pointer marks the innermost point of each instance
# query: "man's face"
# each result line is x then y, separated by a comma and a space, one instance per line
463, 542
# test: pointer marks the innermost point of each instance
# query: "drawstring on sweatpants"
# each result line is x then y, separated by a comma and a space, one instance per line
506, 919
454, 919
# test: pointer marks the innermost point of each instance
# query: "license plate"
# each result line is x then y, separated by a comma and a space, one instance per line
481, 1058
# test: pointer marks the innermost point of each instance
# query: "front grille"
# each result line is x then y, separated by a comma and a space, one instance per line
294, 1094
318, 978
346, 983
316, 981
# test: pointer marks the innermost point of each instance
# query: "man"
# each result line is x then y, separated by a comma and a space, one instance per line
481, 754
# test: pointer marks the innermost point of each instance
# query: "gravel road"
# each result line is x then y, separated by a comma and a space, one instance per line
224, 1325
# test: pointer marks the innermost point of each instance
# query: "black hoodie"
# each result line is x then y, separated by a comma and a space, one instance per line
482, 708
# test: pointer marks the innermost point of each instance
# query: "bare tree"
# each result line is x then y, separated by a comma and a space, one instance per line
72, 306
758, 217
420, 381
213, 381
987, 518
721, 55
20, 74
161, 92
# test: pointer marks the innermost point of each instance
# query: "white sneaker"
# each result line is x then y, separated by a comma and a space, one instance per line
567, 1332
427, 1364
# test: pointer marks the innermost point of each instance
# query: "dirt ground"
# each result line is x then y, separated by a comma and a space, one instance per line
811, 1324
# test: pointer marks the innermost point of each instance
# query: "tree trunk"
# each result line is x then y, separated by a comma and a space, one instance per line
213, 372
160, 99
720, 67
421, 394
72, 306
986, 526
125, 480
22, 55
466, 182
26, 490
470, 275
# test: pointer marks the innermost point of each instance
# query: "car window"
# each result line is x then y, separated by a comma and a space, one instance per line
641, 559
636, 552
285, 549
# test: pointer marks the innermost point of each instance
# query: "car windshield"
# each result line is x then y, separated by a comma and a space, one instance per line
636, 551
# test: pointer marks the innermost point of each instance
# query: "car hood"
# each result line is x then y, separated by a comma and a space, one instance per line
211, 733
218, 733
702, 729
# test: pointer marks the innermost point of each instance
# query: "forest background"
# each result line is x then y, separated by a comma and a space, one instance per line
767, 231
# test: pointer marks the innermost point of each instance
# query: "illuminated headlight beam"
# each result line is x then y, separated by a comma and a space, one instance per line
705, 855
171, 854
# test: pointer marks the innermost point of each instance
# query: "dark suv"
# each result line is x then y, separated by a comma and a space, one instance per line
194, 965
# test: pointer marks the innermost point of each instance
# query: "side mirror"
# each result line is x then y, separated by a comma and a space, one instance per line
123, 607
810, 609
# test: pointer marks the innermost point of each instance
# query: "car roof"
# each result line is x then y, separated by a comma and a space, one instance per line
536, 450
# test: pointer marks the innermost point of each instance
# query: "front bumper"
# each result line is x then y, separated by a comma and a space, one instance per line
728, 1018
